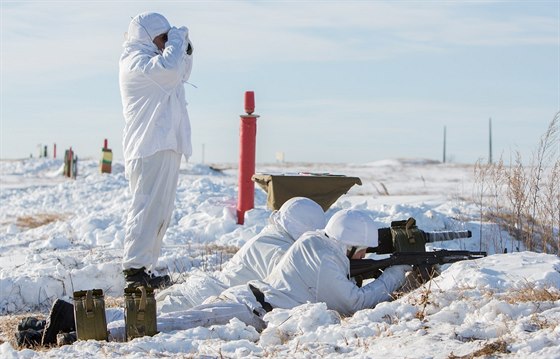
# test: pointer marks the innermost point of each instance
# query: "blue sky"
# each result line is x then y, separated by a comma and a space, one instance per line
334, 81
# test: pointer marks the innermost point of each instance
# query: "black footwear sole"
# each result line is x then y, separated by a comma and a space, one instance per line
156, 282
29, 337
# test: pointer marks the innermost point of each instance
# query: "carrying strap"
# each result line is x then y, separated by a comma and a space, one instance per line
410, 224
142, 305
89, 304
406, 237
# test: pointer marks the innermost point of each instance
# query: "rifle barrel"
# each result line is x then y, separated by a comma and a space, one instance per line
437, 236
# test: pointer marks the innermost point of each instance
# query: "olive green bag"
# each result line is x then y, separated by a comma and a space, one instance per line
140, 312
89, 314
407, 237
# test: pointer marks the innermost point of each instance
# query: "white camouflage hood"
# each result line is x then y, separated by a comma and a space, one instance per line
299, 215
145, 27
354, 228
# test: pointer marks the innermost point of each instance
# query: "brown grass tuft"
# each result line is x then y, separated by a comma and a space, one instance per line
532, 294
38, 220
223, 249
114, 302
488, 350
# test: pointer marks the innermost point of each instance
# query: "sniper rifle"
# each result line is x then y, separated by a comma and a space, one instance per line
422, 261
407, 245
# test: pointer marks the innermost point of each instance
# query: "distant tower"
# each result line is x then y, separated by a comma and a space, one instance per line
444, 142
490, 140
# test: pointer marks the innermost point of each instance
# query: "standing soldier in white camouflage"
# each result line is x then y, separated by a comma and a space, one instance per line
155, 64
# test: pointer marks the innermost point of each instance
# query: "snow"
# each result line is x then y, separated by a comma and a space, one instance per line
505, 303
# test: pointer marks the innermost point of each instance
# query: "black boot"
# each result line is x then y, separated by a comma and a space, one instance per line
61, 319
138, 277
29, 337
31, 323
30, 332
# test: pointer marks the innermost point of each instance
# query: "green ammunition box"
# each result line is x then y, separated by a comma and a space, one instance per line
140, 312
89, 313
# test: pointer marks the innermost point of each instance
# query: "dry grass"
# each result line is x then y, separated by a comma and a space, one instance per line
523, 199
487, 350
223, 249
114, 302
38, 220
531, 294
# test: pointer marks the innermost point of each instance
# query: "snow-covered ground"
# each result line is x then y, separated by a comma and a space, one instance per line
502, 305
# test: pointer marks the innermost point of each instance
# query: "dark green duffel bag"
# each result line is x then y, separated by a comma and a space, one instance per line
407, 237
89, 313
140, 312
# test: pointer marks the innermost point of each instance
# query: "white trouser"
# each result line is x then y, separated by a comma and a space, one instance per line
153, 184
205, 315
235, 302
198, 286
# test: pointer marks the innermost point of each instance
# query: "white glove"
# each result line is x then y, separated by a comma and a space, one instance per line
185, 30
188, 47
181, 32
394, 277
177, 33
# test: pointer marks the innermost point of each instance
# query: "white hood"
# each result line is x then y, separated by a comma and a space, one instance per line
145, 27
354, 228
257, 257
299, 215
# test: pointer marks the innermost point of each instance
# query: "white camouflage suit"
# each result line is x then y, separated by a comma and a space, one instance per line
157, 131
254, 260
315, 269
257, 257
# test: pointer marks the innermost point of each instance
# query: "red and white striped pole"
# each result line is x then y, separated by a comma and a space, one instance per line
247, 142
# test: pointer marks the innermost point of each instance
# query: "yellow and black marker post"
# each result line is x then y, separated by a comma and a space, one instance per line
106, 159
